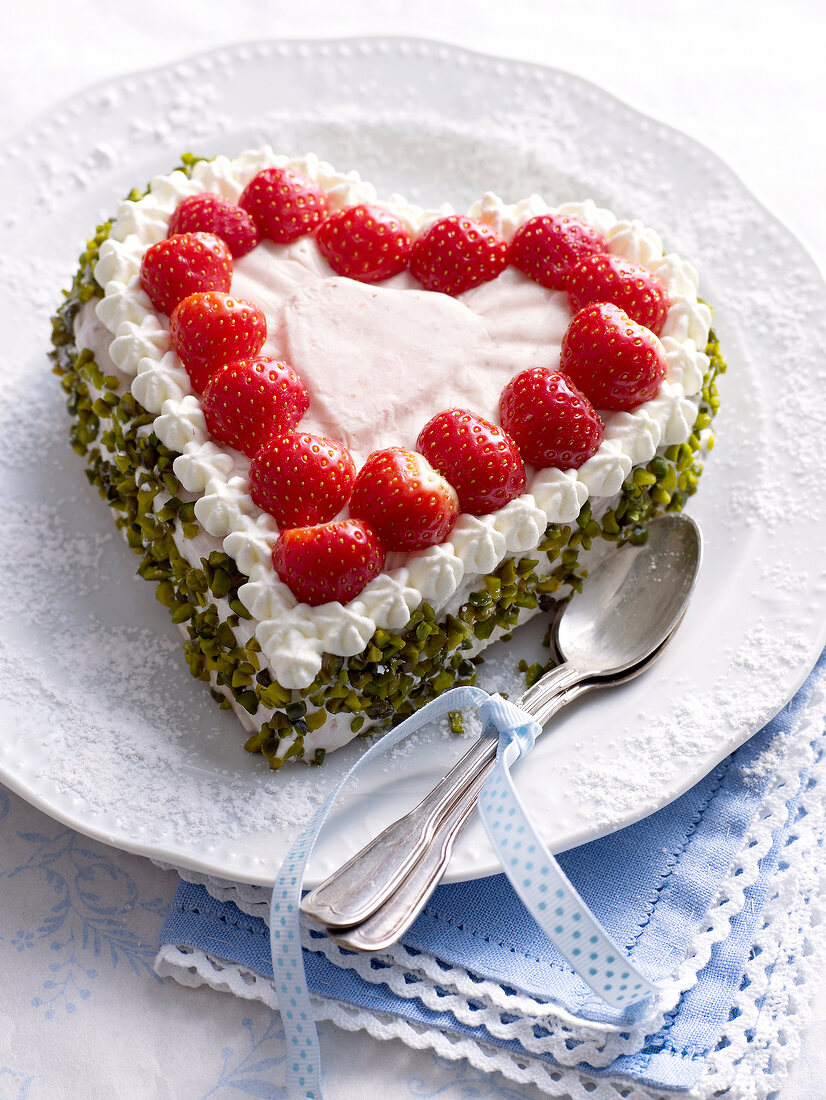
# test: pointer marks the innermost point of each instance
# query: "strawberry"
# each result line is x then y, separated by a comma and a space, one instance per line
209, 329
404, 500
301, 479
208, 213
552, 422
284, 204
457, 253
548, 246
364, 242
181, 265
607, 278
333, 561
616, 361
247, 401
479, 460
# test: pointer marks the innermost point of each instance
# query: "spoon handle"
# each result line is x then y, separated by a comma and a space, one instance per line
395, 915
367, 880
392, 919
360, 886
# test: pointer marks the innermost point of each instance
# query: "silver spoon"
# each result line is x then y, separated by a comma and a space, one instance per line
609, 633
395, 915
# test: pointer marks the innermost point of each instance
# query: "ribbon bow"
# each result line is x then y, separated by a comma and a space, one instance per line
534, 873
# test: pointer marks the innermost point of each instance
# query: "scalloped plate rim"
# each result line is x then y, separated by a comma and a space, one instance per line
46, 800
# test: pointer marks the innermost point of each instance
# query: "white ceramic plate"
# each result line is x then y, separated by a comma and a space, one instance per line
102, 726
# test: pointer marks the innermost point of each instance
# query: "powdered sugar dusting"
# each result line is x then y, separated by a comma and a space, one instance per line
101, 722
743, 692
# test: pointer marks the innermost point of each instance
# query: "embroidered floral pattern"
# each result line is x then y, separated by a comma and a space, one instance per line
13, 1084
92, 898
252, 1073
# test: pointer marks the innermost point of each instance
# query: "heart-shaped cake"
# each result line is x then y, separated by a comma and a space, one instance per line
354, 441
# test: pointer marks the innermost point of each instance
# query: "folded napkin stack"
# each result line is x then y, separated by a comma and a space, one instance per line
716, 897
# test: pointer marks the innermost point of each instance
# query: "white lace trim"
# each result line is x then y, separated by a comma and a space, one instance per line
757, 1045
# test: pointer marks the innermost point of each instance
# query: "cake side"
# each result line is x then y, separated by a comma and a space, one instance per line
398, 668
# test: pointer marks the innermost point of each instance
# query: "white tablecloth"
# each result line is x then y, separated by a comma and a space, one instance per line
81, 1011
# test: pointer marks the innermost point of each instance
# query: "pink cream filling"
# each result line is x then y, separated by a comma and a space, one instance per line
380, 360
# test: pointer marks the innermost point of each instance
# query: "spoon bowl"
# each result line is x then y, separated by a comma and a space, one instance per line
627, 609
632, 602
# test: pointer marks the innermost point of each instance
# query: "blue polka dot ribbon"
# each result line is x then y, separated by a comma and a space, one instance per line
532, 870
537, 877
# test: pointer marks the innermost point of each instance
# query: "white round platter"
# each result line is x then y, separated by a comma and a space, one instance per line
100, 724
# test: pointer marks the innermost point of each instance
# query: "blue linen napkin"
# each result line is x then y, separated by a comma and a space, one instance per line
651, 886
